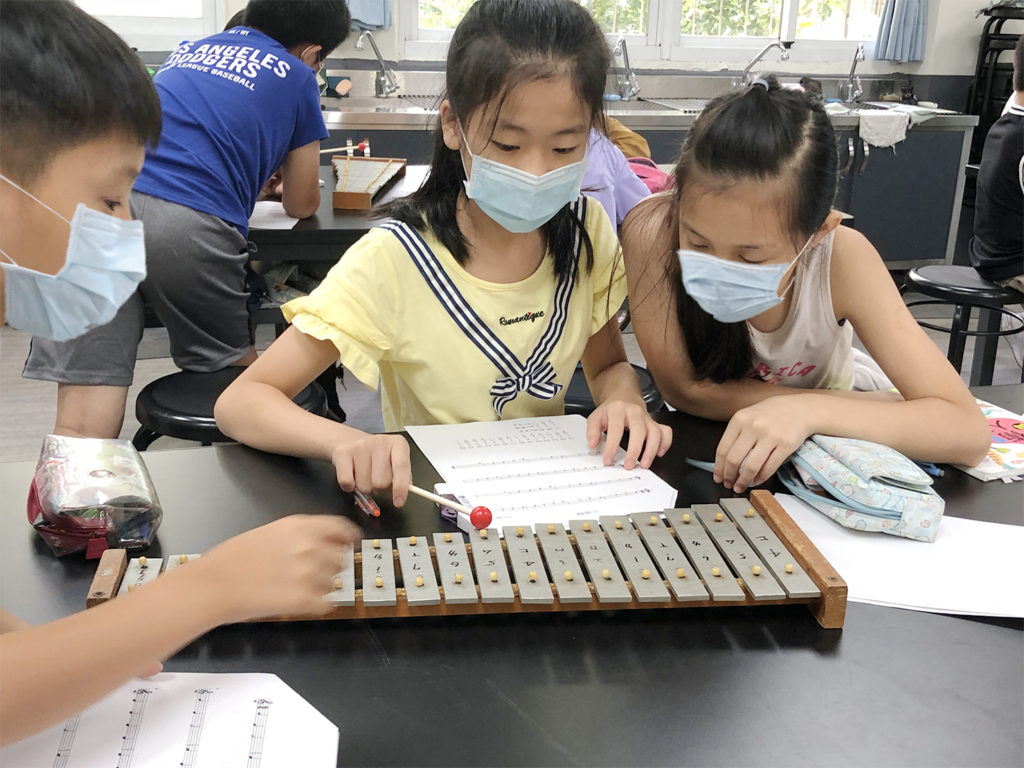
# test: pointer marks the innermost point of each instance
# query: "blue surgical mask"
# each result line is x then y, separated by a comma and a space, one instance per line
106, 261
731, 291
519, 201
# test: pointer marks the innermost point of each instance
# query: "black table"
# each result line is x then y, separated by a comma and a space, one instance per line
325, 235
723, 686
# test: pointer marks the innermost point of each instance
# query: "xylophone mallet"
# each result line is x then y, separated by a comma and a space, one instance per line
480, 517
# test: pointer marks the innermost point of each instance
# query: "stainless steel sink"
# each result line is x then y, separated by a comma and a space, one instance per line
686, 106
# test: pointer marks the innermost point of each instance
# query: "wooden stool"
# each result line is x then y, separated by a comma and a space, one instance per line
965, 289
579, 401
181, 405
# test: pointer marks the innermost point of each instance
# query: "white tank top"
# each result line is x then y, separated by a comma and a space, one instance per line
811, 349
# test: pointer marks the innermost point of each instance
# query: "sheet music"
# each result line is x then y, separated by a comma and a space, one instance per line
269, 214
538, 470
183, 719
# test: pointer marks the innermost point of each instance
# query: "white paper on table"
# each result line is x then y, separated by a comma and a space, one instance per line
971, 568
538, 470
269, 214
198, 720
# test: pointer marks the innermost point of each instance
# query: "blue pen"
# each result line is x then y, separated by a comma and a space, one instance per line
930, 468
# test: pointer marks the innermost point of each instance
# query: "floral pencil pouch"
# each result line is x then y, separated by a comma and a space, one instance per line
865, 486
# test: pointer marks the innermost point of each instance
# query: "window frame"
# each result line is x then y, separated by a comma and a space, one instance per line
663, 42
137, 31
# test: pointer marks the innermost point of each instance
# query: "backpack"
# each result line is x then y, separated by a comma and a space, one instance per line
650, 174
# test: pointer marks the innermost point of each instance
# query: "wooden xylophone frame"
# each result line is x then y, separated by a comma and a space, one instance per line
361, 200
829, 608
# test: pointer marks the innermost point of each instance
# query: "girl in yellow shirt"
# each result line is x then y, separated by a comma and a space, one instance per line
492, 281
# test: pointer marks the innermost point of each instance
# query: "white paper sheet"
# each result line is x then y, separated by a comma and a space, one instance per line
539, 470
195, 720
269, 214
971, 568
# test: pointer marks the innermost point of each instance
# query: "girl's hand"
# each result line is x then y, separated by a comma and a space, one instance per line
284, 567
759, 438
613, 417
373, 463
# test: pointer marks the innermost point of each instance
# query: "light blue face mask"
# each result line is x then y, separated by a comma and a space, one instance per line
519, 201
731, 291
106, 261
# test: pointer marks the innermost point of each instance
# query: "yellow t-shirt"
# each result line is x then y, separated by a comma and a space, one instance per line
389, 327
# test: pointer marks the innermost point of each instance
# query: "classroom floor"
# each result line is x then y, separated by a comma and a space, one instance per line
27, 407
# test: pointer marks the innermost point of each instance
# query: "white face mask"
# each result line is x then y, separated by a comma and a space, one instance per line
106, 261
517, 200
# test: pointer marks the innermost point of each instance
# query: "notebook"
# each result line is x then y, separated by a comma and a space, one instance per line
1005, 457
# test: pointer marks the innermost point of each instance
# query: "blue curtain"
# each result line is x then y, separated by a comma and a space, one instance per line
370, 14
902, 30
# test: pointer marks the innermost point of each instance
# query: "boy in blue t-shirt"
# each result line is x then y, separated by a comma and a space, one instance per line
77, 110
236, 107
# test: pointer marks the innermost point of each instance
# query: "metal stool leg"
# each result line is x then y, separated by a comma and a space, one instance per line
984, 360
957, 339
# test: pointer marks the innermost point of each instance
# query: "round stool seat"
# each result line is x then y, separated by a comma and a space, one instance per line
181, 405
579, 401
959, 285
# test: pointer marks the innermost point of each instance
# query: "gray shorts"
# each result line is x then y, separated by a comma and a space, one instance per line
196, 267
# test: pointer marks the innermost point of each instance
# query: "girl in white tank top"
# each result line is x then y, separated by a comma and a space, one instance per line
745, 295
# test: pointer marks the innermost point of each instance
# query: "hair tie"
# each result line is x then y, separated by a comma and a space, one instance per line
761, 82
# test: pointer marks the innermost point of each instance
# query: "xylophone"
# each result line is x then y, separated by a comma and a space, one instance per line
359, 179
731, 553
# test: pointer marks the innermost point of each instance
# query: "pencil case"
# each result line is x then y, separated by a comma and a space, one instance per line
92, 494
864, 486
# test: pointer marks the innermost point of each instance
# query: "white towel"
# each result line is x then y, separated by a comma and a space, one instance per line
883, 128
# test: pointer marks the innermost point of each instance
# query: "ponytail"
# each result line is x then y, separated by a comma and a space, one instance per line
760, 134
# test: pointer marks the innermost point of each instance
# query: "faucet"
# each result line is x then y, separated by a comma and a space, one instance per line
625, 77
852, 89
745, 79
385, 83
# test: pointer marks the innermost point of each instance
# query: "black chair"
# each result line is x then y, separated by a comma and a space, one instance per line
965, 289
181, 405
579, 401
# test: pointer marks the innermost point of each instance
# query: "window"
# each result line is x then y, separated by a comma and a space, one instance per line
683, 30
839, 19
186, 9
615, 17
158, 25
745, 18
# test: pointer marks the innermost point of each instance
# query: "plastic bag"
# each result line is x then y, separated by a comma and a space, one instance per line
90, 494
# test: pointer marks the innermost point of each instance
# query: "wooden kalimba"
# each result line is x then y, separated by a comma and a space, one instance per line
727, 554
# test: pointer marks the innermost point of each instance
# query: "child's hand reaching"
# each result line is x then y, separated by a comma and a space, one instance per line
373, 463
759, 438
284, 567
613, 417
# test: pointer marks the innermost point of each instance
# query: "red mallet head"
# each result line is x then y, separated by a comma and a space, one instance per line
480, 517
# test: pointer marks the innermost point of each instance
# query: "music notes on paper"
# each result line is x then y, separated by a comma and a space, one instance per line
539, 470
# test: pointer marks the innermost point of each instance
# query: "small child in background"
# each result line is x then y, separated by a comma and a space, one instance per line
745, 293
997, 248
609, 179
76, 122
495, 279
236, 107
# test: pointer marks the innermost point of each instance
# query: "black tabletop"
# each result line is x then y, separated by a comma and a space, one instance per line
326, 234
722, 686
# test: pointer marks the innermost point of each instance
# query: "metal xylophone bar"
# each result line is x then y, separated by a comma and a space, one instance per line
732, 553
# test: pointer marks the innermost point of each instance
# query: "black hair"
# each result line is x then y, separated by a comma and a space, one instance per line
236, 20
65, 78
1018, 64
292, 22
763, 133
498, 45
